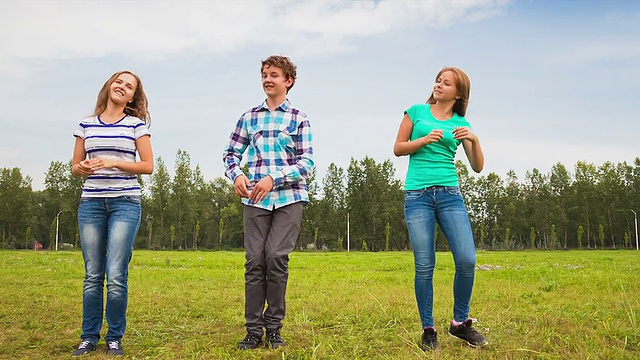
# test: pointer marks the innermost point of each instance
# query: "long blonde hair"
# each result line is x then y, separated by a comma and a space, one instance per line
463, 85
138, 107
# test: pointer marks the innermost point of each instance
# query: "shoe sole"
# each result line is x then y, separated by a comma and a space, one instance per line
85, 353
270, 346
468, 343
249, 348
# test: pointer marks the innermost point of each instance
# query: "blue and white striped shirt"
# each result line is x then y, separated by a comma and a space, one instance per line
112, 141
279, 144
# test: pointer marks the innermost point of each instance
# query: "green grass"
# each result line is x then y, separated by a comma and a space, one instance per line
189, 305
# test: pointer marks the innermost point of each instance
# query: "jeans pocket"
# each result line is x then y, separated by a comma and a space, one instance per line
136, 199
453, 190
410, 195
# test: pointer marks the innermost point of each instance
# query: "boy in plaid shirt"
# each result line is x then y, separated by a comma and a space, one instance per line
280, 159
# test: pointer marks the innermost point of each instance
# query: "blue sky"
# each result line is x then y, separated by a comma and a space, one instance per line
552, 81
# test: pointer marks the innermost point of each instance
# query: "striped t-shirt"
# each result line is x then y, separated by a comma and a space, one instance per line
113, 141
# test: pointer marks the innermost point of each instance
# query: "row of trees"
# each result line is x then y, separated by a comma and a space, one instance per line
587, 208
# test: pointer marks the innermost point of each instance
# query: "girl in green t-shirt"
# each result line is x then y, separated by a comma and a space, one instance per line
430, 134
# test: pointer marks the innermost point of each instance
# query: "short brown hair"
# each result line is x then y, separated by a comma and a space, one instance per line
288, 68
463, 85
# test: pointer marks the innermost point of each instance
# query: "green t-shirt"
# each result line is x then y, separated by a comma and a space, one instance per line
433, 164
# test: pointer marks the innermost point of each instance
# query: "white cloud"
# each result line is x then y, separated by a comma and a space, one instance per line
34, 31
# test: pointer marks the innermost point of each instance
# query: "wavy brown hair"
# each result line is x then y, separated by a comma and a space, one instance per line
138, 107
285, 64
463, 85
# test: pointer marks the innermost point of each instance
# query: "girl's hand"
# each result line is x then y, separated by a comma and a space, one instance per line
85, 168
101, 163
464, 133
434, 136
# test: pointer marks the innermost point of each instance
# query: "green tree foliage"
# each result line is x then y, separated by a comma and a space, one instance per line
513, 208
601, 235
15, 206
538, 196
220, 232
373, 198
183, 210
157, 209
559, 183
507, 238
226, 213
532, 237
387, 234
586, 195
580, 233
312, 215
182, 200
488, 200
333, 207
626, 239
27, 238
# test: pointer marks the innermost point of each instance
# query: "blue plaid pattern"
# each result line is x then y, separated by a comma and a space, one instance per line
279, 145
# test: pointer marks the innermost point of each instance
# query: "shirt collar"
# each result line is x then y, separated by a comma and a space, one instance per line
284, 106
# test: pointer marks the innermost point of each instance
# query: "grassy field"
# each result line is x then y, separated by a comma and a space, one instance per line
189, 305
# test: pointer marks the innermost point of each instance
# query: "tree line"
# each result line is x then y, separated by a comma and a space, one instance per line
590, 207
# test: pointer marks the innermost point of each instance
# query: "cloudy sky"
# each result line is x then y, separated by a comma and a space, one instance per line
552, 81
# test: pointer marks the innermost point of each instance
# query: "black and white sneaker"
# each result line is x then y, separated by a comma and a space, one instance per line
251, 341
273, 339
114, 348
467, 333
85, 347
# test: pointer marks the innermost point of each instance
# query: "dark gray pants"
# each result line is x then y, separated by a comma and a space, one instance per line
269, 237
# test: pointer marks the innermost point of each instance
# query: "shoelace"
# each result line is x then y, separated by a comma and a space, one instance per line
113, 345
84, 344
252, 337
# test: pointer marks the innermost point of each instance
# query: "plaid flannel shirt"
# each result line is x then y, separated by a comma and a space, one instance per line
279, 144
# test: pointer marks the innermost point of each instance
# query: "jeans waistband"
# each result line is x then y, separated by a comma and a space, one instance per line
436, 187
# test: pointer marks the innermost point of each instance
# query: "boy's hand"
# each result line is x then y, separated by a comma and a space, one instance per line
261, 189
240, 185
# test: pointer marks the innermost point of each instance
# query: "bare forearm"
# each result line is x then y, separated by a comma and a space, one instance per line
138, 167
475, 155
76, 170
402, 148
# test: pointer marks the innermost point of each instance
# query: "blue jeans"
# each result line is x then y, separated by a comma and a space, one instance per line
108, 227
444, 205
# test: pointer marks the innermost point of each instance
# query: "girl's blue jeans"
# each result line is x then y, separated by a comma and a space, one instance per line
108, 227
422, 210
